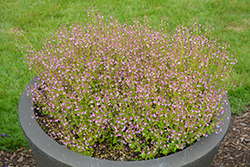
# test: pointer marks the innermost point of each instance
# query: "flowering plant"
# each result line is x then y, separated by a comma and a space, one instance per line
128, 92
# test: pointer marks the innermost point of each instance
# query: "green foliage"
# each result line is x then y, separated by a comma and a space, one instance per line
230, 22
147, 77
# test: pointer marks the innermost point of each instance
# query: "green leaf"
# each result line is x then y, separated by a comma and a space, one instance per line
132, 145
165, 152
143, 155
114, 141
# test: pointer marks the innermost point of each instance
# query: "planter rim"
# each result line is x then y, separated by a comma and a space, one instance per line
40, 139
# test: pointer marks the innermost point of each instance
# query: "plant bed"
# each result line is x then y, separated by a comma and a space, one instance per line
47, 152
122, 94
234, 150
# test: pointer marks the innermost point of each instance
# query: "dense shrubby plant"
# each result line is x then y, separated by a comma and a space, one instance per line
129, 90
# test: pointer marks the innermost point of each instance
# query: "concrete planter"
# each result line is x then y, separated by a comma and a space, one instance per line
49, 153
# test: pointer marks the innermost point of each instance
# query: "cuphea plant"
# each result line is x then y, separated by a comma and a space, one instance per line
116, 91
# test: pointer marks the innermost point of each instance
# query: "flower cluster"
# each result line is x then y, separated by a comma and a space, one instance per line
129, 87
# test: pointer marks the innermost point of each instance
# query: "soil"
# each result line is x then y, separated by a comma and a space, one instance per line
233, 152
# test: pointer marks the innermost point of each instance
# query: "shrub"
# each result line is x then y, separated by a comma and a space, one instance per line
128, 90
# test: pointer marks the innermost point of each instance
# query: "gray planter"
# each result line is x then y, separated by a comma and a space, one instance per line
49, 153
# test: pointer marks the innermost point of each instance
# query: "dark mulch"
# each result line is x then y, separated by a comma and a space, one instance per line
233, 152
235, 148
20, 157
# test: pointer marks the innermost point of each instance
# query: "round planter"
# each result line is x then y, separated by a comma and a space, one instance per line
49, 153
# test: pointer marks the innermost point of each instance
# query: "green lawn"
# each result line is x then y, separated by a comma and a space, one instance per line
229, 19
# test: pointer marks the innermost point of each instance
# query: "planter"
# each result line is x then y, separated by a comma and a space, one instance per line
48, 153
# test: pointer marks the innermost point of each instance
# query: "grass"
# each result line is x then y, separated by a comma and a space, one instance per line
229, 19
